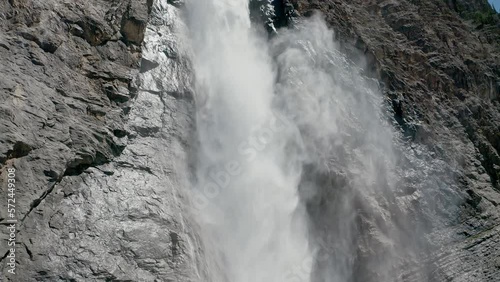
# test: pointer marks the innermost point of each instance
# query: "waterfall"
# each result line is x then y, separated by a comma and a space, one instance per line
296, 168
247, 170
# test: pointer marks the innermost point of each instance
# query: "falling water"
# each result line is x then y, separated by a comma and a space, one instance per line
296, 168
349, 158
247, 172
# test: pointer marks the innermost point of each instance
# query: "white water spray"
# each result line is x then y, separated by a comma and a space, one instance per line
247, 196
268, 109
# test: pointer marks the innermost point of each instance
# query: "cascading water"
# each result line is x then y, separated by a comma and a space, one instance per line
348, 154
284, 124
247, 172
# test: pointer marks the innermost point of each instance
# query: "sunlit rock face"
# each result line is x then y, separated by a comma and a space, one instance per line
120, 218
381, 164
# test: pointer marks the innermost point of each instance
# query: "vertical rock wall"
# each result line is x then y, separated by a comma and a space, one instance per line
98, 137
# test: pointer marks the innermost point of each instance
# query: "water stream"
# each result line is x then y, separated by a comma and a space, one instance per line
295, 166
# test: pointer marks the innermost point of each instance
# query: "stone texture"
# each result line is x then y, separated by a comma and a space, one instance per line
99, 142
99, 137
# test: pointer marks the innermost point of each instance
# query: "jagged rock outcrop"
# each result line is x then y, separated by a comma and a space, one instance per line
57, 118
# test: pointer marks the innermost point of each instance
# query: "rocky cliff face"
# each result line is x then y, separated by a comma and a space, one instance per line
97, 116
97, 136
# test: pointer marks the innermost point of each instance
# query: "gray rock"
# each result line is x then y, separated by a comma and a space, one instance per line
100, 139
100, 176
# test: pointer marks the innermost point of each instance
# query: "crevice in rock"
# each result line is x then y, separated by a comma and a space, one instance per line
89, 30
145, 131
480, 240
140, 168
37, 202
116, 93
3, 45
90, 102
48, 46
120, 133
4, 256
175, 3
100, 159
51, 174
175, 94
76, 169
147, 65
151, 91
19, 150
106, 76
28, 251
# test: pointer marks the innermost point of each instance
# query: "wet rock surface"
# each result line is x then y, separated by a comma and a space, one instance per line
97, 139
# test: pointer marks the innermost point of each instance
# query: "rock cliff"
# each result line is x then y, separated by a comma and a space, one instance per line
97, 136
97, 116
